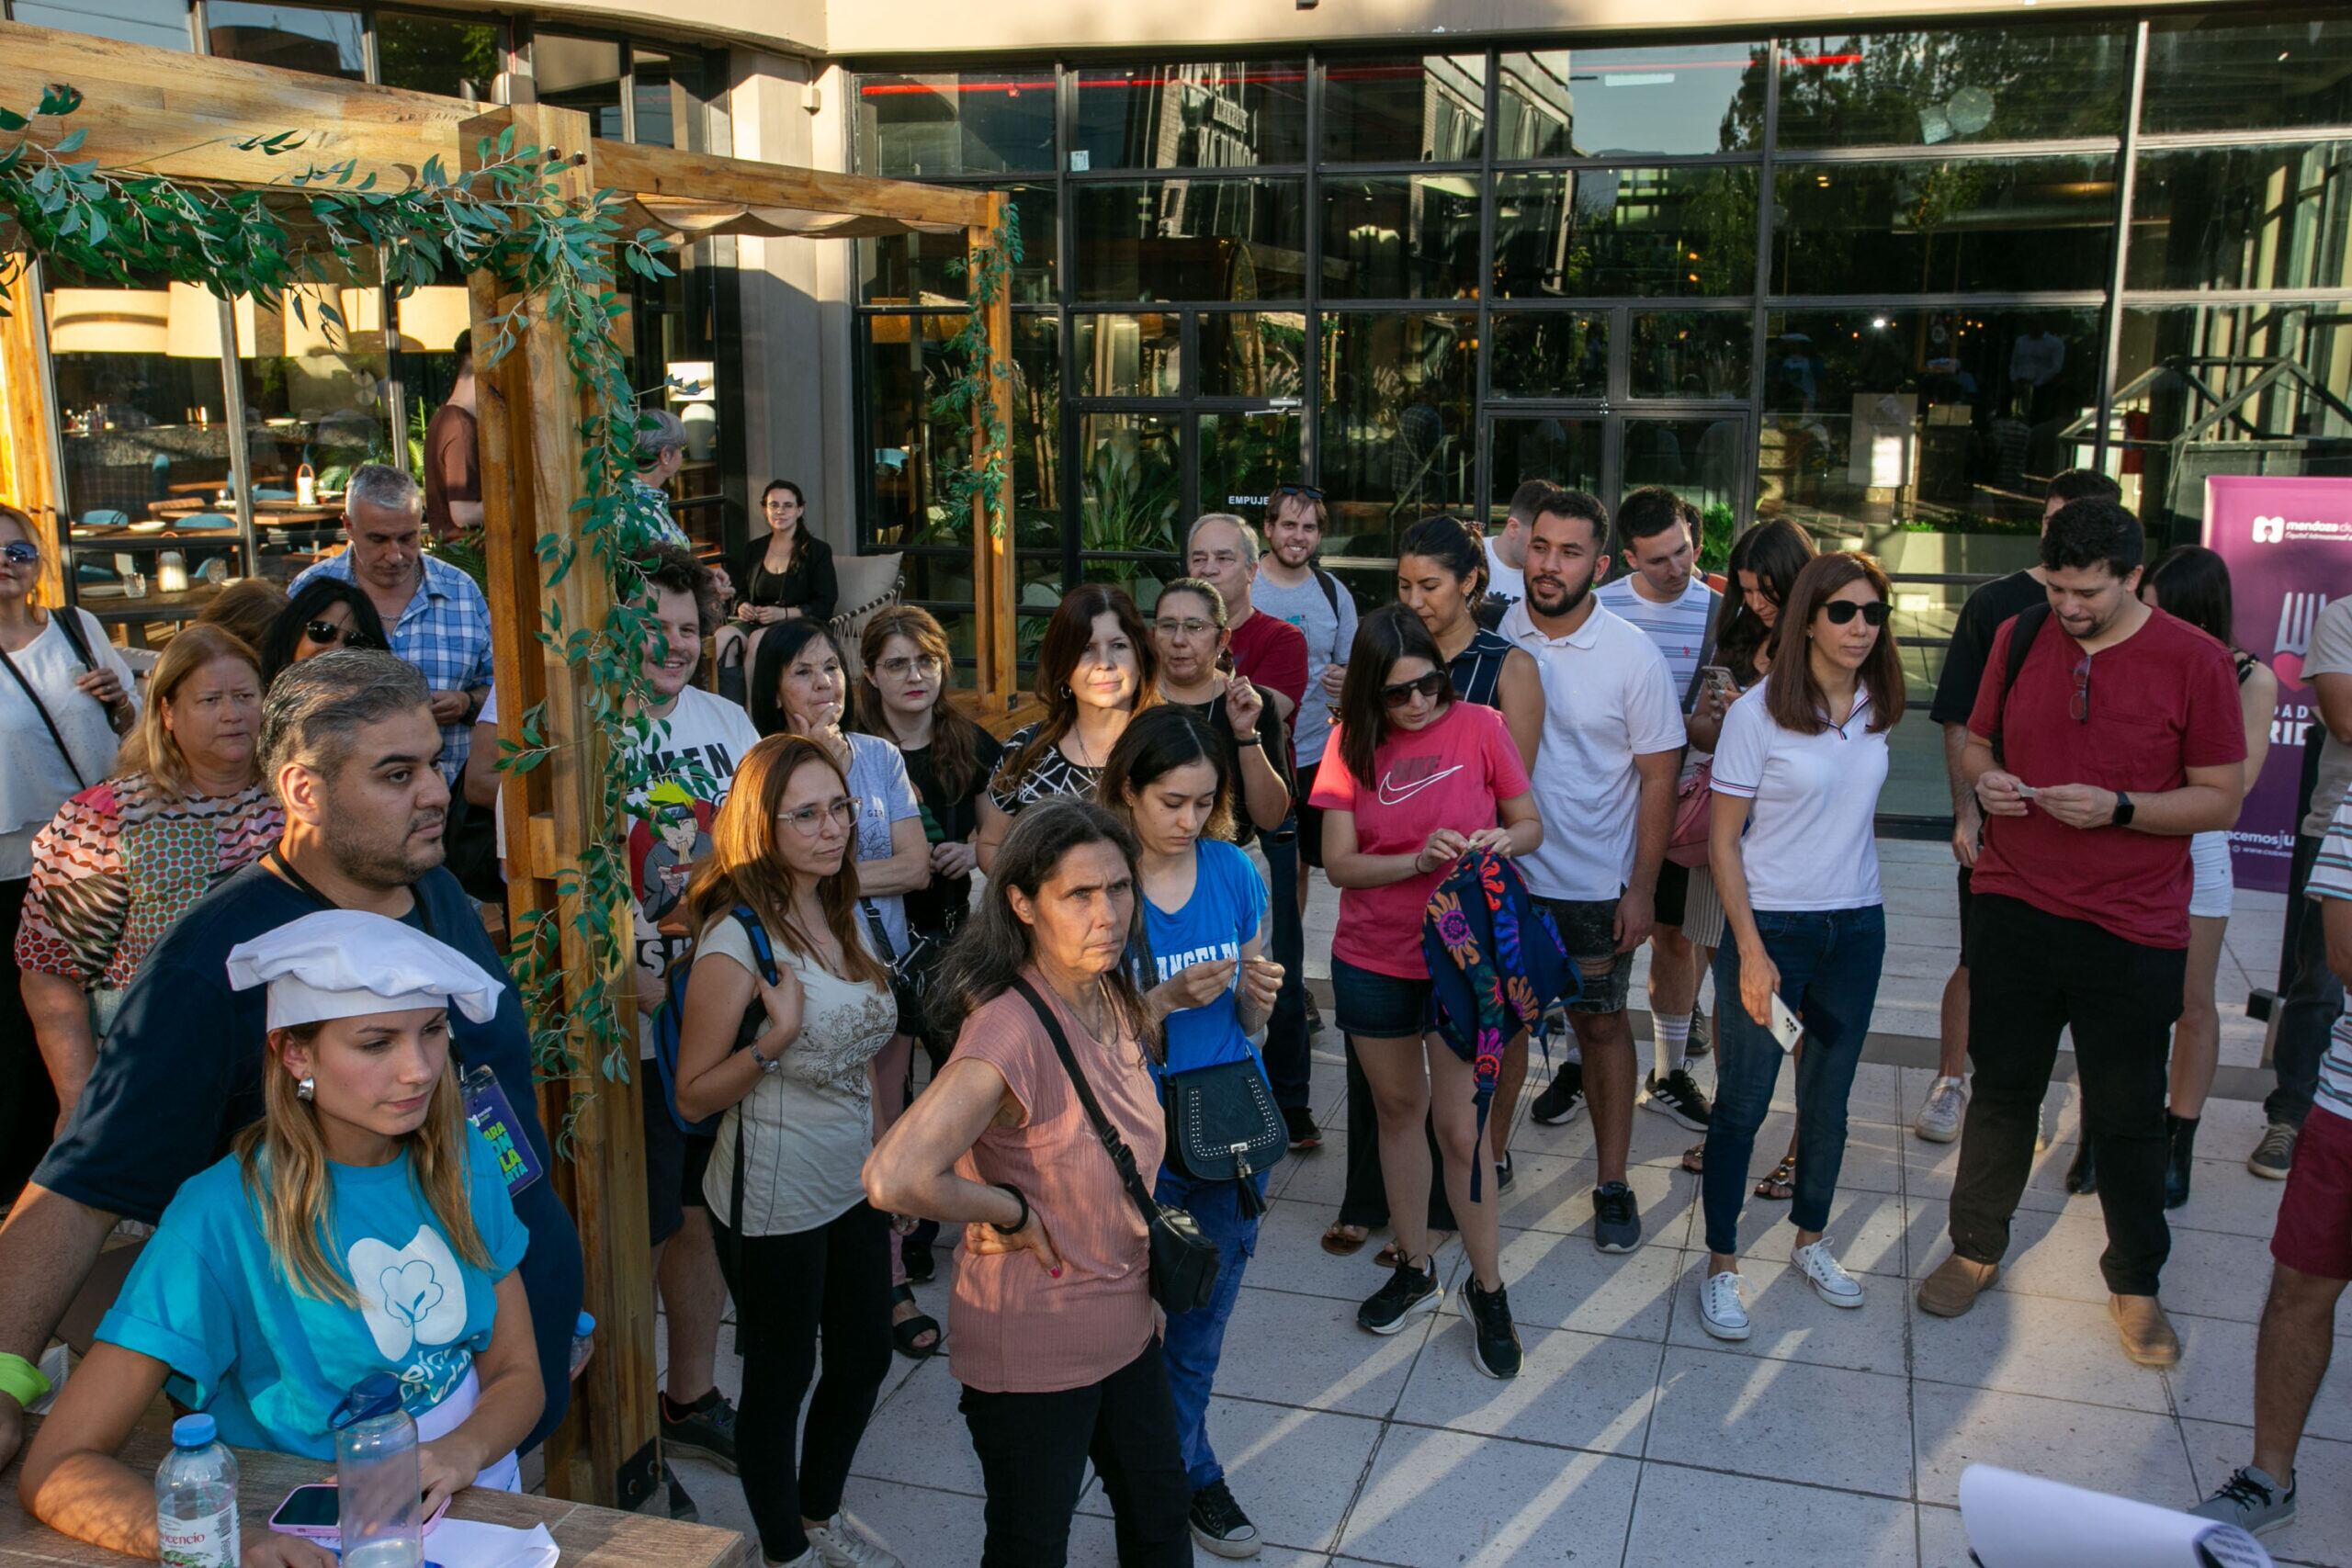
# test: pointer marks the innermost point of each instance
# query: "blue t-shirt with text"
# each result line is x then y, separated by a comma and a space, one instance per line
1224, 914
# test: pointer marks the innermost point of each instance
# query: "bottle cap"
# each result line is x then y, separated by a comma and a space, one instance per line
585, 1328
194, 1432
377, 1393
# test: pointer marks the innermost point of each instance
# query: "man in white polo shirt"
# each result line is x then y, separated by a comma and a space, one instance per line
1612, 741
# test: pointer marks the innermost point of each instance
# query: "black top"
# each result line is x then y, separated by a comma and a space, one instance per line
1271, 734
1988, 609
940, 907
807, 585
1477, 670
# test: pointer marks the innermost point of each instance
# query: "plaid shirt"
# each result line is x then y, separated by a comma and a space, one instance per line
444, 632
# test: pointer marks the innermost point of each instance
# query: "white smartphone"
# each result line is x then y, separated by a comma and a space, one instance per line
1785, 1027
2027, 791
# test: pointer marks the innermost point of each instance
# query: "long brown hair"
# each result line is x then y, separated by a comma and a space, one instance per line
1385, 636
1066, 637
1791, 694
284, 1160
150, 746
954, 735
746, 864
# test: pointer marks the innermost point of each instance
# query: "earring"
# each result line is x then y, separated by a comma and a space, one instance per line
306, 1089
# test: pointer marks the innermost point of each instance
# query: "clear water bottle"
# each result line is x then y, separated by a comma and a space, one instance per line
584, 1340
381, 1502
195, 1498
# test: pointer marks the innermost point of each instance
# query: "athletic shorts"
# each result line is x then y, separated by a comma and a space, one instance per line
2315, 1231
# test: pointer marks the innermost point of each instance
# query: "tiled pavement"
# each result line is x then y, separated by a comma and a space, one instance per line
1632, 1438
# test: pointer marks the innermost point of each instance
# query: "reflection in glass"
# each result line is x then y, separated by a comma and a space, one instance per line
1643, 231
670, 92
2004, 84
1257, 354
1698, 458
1559, 103
582, 74
313, 395
1690, 354
1413, 110
1395, 238
143, 418
942, 123
1244, 455
439, 54
1189, 117
911, 450
1130, 356
2226, 68
1995, 224
1191, 239
158, 23
292, 38
1564, 450
1130, 486
1549, 353
917, 267
2275, 217
1396, 434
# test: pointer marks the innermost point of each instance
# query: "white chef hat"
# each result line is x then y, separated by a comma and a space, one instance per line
348, 964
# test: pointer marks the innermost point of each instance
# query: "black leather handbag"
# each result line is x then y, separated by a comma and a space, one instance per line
1223, 1126
1185, 1261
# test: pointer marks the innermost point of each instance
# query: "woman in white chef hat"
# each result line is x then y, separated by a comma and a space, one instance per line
361, 1226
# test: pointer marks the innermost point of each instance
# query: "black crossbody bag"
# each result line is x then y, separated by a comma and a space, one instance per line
1185, 1261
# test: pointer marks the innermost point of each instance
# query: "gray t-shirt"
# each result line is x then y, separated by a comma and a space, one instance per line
2330, 654
877, 780
1329, 631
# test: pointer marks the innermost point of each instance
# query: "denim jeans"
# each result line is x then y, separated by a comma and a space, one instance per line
1193, 1340
1829, 962
1287, 1054
2310, 997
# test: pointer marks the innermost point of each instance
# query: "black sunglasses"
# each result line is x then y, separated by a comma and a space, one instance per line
1428, 685
1308, 490
1840, 610
326, 633
18, 553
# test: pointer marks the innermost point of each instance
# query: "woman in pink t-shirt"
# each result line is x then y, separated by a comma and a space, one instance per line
1411, 781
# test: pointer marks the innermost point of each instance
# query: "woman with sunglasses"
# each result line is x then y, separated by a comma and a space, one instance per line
325, 614
1188, 632
1415, 779
1797, 776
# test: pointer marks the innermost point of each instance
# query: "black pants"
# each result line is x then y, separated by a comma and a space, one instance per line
1365, 1200
2310, 997
28, 1099
1288, 1056
835, 1278
1034, 1448
2031, 975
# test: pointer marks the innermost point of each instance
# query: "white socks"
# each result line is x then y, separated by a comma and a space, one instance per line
1669, 1043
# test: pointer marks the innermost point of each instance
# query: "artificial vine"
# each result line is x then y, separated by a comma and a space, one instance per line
971, 394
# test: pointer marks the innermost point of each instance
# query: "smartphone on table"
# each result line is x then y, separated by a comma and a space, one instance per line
315, 1513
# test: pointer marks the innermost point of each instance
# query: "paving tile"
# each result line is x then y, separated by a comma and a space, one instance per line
1290, 1256
2215, 1381
1552, 1193
1685, 1516
1785, 1420
1292, 1471
1320, 1177
1581, 1391
1559, 1282
1865, 1231
1307, 1351
919, 1523
918, 1436
1943, 1540
1447, 1498
2224, 1196
2020, 1344
2129, 1452
2214, 1275
2322, 1529
1792, 1323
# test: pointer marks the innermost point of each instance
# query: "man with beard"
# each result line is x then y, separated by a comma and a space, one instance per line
2096, 755
349, 742
1612, 743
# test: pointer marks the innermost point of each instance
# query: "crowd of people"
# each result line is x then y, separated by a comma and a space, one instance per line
906, 987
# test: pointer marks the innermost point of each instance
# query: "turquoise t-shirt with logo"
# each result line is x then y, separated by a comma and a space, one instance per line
270, 1361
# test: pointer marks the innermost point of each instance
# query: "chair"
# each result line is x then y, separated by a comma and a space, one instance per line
868, 585
104, 517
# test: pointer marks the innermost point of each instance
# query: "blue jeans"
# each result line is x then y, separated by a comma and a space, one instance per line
1193, 1340
1829, 962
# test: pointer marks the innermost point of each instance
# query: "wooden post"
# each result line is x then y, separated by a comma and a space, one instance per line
995, 585
530, 412
26, 452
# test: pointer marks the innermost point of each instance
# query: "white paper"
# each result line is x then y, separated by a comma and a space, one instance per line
2024, 1521
469, 1543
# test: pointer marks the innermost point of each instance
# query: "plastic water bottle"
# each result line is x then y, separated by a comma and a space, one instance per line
380, 1501
195, 1498
584, 1340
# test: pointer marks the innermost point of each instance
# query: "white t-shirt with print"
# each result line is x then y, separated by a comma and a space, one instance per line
1810, 842
1502, 578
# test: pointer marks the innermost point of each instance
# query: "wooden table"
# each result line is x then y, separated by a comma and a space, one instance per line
588, 1537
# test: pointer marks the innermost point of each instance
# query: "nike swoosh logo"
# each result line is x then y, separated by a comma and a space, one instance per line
1394, 795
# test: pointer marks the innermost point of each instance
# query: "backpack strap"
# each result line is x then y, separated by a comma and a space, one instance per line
2023, 630
755, 931
1331, 586
69, 622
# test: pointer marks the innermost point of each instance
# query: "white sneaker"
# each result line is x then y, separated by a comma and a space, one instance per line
1721, 1312
1826, 1275
1938, 1120
839, 1546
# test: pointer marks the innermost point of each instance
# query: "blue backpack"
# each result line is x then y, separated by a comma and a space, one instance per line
674, 1007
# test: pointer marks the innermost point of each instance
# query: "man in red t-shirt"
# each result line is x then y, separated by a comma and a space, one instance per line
2118, 738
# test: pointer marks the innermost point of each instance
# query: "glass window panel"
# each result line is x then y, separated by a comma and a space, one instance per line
2274, 216
912, 450
1698, 457
1245, 455
915, 267
1255, 354
1191, 239
2235, 70
1130, 488
1390, 237
1038, 437
1563, 449
313, 395
1138, 355
439, 54
1189, 117
292, 38
1690, 354
2178, 363
942, 123
158, 23
2009, 225
2004, 84
1396, 433
1559, 103
582, 74
1410, 110
1549, 353
1687, 230
671, 92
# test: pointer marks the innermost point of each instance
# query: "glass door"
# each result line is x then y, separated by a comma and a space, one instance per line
1568, 448
1700, 455
1239, 455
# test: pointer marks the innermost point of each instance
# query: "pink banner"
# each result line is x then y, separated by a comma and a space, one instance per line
2289, 544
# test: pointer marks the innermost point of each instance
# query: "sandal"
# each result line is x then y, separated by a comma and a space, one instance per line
1783, 1183
1345, 1241
905, 1331
1694, 1158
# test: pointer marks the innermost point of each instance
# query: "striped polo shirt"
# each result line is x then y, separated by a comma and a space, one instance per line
2332, 878
1678, 630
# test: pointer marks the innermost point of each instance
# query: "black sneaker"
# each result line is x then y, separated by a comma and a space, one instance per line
707, 1427
1681, 1097
1219, 1525
1616, 1219
1409, 1292
1494, 1342
1700, 1044
1299, 1123
1563, 1098
1504, 1174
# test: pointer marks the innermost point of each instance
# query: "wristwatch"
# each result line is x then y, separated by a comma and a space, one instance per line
2122, 818
767, 1064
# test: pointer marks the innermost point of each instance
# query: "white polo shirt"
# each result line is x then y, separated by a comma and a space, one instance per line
1810, 842
1607, 700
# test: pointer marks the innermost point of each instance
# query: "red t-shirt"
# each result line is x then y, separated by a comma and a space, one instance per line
1271, 653
1453, 774
2162, 701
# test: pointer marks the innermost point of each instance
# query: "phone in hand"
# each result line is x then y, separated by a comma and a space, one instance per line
2026, 791
1786, 1028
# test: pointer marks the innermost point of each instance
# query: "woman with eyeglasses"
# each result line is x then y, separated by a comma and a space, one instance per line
1188, 632
65, 702
325, 614
1797, 774
788, 1065
1414, 778
123, 859
787, 576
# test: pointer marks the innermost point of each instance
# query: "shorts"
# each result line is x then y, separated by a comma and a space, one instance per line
2315, 1231
675, 1162
1673, 895
1702, 910
1310, 825
1372, 1006
2209, 856
1589, 931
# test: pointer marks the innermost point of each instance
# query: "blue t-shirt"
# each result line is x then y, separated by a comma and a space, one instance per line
270, 1361
179, 1075
1224, 914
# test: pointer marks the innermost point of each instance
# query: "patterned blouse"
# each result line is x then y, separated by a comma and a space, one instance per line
1049, 774
121, 862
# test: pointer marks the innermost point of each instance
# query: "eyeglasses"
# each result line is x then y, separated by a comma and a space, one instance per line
1402, 693
16, 552
2083, 690
327, 634
810, 820
1191, 625
1310, 491
1840, 610
899, 669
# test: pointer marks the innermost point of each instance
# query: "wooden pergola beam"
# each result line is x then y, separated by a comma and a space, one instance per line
705, 176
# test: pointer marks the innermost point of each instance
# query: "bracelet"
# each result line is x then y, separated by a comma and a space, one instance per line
1017, 1226
23, 1381
1249, 741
